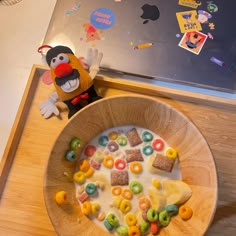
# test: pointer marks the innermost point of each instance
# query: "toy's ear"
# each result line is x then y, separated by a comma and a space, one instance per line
46, 77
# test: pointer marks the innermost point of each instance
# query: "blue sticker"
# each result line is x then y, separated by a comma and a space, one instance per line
102, 18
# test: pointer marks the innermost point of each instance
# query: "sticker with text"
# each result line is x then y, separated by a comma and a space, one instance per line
188, 21
193, 41
189, 3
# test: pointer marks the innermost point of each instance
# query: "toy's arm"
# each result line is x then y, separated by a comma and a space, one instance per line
48, 107
93, 60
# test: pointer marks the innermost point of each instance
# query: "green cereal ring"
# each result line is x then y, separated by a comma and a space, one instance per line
148, 150
164, 218
147, 136
144, 226
152, 215
135, 187
108, 226
122, 230
112, 220
103, 140
172, 209
122, 141
70, 155
90, 189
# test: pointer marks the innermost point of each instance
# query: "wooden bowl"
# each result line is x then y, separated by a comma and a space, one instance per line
195, 160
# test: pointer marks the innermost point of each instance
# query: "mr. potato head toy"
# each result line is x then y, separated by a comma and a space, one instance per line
73, 83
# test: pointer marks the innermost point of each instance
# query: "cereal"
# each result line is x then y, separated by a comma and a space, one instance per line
122, 141
119, 177
136, 167
133, 155
122, 230
83, 197
75, 143
147, 136
96, 165
120, 164
144, 227
103, 140
154, 229
172, 209
144, 214
117, 201
95, 208
133, 137
134, 231
171, 153
185, 212
158, 144
83, 165
108, 226
127, 194
70, 155
79, 177
108, 162
101, 216
116, 191
136, 187
156, 183
113, 135
125, 206
163, 163
61, 197
112, 146
86, 208
89, 173
144, 203
164, 218
91, 189
90, 150
152, 215
130, 219
112, 219
147, 150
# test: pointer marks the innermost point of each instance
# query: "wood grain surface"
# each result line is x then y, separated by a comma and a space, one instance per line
22, 208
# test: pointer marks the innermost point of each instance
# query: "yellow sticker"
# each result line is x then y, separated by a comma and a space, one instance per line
189, 3
188, 21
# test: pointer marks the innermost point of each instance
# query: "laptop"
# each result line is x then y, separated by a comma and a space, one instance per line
143, 38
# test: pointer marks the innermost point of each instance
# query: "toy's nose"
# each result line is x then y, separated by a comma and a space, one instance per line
63, 70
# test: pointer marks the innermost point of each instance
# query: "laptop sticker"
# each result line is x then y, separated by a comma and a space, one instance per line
193, 41
102, 18
143, 45
211, 7
203, 16
188, 21
189, 3
92, 33
211, 26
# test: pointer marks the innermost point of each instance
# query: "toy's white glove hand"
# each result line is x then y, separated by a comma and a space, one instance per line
48, 107
93, 60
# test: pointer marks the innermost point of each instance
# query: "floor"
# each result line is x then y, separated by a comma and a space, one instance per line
22, 32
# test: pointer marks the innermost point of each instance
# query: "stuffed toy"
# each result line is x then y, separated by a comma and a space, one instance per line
73, 83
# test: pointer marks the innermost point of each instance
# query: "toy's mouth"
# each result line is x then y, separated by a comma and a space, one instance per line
70, 82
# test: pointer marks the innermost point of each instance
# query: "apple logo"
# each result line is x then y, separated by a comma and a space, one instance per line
150, 12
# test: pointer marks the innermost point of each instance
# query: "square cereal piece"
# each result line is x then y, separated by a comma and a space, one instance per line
133, 137
133, 155
119, 177
163, 163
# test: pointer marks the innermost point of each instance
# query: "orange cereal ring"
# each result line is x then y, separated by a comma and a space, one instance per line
136, 167
61, 197
108, 162
113, 135
116, 191
127, 194
144, 203
185, 212
89, 173
130, 219
83, 165
79, 177
86, 208
133, 231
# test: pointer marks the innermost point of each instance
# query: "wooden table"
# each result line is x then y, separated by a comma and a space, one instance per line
22, 209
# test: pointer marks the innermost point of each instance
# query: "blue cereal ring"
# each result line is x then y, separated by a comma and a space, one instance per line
103, 140
147, 136
148, 150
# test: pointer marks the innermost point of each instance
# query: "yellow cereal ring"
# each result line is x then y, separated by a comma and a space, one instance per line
117, 201
144, 203
89, 173
116, 191
156, 183
108, 162
83, 165
95, 208
61, 197
136, 167
86, 208
134, 231
171, 153
130, 219
185, 212
79, 177
127, 194
125, 206
113, 135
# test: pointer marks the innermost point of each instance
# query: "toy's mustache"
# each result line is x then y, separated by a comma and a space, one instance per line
74, 75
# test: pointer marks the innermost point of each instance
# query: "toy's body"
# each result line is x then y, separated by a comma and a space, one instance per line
73, 84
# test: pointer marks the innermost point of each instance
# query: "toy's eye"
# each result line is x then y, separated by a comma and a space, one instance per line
61, 58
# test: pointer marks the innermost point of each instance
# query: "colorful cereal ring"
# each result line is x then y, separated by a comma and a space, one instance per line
158, 144
90, 150
172, 209
122, 141
116, 191
130, 219
171, 153
86, 208
144, 203
113, 135
148, 150
135, 187
108, 162
144, 226
136, 167
154, 229
164, 218
61, 197
91, 189
147, 136
89, 173
108, 226
185, 212
122, 230
112, 146
152, 215
125, 206
83, 165
112, 219
133, 231
79, 177
120, 164
127, 194
103, 140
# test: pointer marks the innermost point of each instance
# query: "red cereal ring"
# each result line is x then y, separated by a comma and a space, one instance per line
120, 164
158, 144
90, 150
